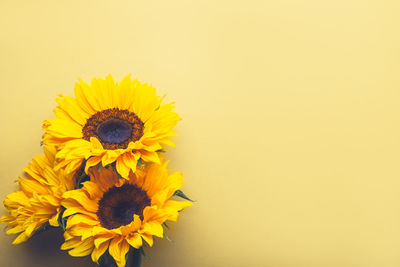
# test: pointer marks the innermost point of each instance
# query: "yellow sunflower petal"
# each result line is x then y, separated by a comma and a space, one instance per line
144, 101
118, 249
153, 228
82, 198
148, 238
102, 92
21, 238
122, 169
174, 183
150, 156
108, 191
81, 219
101, 239
90, 95
93, 161
31, 185
71, 243
83, 249
93, 189
82, 100
99, 251
96, 143
109, 157
75, 130
70, 104
135, 240
174, 207
129, 161
125, 93
39, 200
17, 229
74, 210
54, 221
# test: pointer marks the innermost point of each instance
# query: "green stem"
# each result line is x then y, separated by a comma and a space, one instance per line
134, 259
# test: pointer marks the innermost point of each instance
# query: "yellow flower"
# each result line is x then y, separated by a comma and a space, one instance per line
39, 200
114, 214
109, 122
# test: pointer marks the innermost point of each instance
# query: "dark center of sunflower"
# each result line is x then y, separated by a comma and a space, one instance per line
114, 128
114, 131
119, 204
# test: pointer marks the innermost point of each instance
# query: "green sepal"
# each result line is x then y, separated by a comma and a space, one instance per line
80, 176
166, 225
161, 150
141, 250
167, 237
43, 228
114, 165
62, 221
99, 167
180, 194
83, 177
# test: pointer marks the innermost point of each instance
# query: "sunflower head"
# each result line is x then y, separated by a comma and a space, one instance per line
39, 199
110, 122
116, 214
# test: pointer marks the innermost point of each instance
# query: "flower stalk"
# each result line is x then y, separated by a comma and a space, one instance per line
134, 259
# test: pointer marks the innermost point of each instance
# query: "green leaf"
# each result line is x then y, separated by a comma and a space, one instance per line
180, 194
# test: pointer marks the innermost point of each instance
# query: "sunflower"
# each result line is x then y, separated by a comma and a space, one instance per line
38, 201
109, 122
115, 214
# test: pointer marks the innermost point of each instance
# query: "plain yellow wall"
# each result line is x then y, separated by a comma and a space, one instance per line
290, 134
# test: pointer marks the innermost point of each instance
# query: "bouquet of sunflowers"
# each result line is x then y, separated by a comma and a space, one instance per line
102, 179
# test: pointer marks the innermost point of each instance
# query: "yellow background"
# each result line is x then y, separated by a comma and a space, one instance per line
290, 134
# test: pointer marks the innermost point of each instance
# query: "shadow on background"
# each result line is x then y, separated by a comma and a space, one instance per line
44, 249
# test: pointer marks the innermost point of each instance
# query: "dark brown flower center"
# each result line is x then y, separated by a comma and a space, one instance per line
119, 204
114, 128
